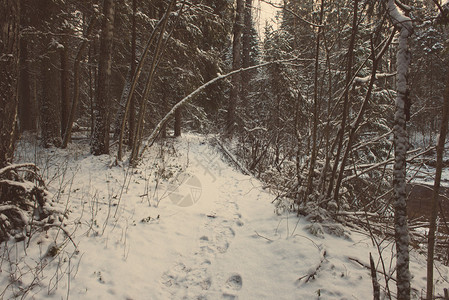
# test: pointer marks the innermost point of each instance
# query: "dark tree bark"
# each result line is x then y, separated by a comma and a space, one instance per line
246, 53
27, 107
178, 122
315, 110
148, 85
65, 86
132, 105
50, 101
236, 63
355, 124
341, 132
102, 105
436, 188
161, 24
76, 84
9, 72
166, 104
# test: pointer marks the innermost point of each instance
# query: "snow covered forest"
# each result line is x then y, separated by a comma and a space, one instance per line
224, 149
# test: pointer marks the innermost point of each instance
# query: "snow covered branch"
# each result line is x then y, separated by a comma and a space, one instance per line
150, 140
364, 80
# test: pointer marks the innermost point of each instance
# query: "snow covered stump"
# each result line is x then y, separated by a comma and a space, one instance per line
22, 201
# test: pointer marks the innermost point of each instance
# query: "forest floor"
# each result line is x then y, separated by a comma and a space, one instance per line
185, 224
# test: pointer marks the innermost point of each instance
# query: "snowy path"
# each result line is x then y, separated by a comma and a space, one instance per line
194, 277
186, 226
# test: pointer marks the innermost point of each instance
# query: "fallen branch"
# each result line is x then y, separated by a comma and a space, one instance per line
368, 267
228, 153
312, 275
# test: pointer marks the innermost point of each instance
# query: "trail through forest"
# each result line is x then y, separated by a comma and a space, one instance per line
185, 224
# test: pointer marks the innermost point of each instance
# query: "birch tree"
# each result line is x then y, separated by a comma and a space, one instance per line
405, 27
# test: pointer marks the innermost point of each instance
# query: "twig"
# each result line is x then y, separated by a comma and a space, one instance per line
312, 275
369, 268
270, 240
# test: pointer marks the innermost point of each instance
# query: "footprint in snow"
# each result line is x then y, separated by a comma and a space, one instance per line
223, 237
229, 296
235, 282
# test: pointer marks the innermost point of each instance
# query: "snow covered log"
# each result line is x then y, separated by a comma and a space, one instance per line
22, 200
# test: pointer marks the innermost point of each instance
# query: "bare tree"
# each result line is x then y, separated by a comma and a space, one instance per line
346, 98
100, 139
27, 109
9, 71
51, 96
315, 119
132, 105
402, 239
246, 48
76, 85
148, 84
436, 188
236, 63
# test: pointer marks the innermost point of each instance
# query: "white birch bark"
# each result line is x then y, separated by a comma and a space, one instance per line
405, 27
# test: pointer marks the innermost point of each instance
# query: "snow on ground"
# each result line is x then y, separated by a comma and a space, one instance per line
184, 224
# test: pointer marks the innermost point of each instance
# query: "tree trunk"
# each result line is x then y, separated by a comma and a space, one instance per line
102, 104
236, 63
404, 24
9, 72
27, 115
50, 100
140, 122
341, 131
436, 187
76, 84
162, 23
355, 124
132, 105
246, 53
178, 122
315, 111
65, 86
